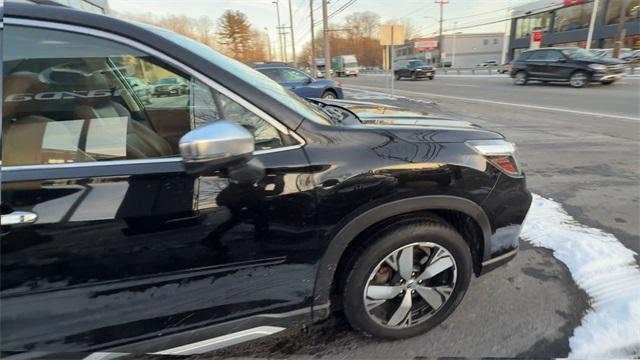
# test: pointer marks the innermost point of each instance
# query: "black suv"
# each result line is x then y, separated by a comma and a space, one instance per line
575, 65
413, 69
196, 221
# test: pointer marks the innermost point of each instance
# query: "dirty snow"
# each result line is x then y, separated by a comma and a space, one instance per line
604, 269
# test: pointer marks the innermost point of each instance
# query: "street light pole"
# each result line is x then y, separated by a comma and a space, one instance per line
279, 31
592, 23
293, 41
327, 50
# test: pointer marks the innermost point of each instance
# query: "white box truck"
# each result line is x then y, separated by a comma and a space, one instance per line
345, 65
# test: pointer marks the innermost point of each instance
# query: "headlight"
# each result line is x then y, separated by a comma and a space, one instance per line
598, 67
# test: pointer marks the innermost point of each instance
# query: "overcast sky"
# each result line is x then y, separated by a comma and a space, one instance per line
262, 13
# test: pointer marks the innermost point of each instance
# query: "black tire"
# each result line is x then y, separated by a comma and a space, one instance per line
329, 94
396, 236
579, 79
398, 77
414, 77
431, 77
520, 78
607, 82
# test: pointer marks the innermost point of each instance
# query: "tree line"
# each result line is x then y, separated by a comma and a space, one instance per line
231, 33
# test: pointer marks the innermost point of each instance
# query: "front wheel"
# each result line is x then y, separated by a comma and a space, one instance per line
607, 82
398, 77
520, 78
329, 95
408, 280
578, 79
414, 77
431, 77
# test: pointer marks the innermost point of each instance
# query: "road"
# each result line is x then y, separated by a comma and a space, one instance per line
529, 308
622, 99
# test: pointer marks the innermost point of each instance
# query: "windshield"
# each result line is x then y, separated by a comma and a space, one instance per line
247, 74
417, 63
578, 53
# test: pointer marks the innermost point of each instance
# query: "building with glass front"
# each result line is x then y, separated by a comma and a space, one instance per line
94, 6
566, 23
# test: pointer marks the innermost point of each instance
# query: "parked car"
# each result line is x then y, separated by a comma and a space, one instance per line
141, 87
489, 63
300, 83
171, 86
574, 65
240, 211
414, 69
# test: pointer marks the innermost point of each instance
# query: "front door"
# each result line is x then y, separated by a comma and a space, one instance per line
105, 240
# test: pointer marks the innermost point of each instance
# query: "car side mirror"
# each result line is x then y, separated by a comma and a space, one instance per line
217, 146
308, 81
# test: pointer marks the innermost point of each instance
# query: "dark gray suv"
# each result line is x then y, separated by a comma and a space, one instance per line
574, 65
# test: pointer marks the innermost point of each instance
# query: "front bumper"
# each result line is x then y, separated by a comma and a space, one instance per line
607, 77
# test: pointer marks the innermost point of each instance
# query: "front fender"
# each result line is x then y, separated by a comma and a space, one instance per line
347, 233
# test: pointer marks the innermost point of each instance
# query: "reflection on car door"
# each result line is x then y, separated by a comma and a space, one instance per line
126, 246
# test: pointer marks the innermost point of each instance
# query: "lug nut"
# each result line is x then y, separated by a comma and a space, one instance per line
413, 291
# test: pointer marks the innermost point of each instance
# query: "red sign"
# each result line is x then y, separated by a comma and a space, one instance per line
426, 44
537, 36
573, 2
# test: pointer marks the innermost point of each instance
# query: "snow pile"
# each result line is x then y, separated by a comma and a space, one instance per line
602, 267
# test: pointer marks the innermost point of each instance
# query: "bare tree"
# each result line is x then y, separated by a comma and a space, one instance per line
204, 27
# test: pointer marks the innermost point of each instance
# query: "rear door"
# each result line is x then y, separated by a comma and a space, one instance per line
554, 68
536, 64
105, 240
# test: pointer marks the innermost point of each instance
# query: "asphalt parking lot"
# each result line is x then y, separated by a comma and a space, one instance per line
574, 153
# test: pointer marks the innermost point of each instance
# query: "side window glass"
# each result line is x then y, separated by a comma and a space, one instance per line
70, 98
553, 55
292, 75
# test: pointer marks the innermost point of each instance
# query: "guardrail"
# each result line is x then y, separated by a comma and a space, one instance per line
632, 69
458, 71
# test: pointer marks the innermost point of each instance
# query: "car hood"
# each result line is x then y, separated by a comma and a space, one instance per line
371, 113
601, 60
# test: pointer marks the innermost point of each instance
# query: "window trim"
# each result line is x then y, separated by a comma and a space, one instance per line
50, 25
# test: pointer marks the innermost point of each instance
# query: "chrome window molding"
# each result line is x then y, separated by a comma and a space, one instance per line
174, 159
168, 59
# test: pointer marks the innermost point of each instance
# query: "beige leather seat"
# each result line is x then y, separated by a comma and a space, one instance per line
141, 142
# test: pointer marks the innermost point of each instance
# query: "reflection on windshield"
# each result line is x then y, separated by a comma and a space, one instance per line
246, 73
578, 53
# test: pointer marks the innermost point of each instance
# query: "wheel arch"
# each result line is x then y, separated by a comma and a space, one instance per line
349, 233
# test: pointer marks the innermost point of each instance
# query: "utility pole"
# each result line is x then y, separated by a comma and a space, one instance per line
592, 23
440, 39
279, 31
293, 41
266, 31
314, 69
506, 37
284, 39
327, 50
620, 33
453, 55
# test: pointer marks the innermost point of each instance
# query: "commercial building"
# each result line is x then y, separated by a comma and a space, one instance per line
94, 6
566, 23
459, 50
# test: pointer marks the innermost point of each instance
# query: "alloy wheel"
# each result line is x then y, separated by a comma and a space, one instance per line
578, 79
521, 78
328, 95
410, 285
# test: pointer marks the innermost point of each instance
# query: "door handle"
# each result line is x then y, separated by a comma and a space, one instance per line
18, 217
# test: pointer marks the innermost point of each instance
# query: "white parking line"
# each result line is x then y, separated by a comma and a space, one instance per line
484, 101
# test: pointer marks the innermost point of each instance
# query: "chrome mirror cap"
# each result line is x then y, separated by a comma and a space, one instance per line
216, 146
